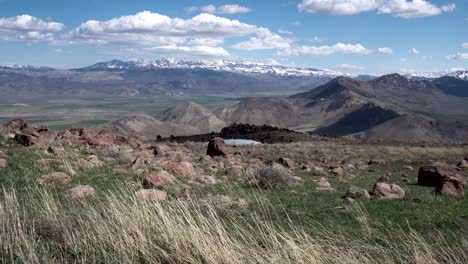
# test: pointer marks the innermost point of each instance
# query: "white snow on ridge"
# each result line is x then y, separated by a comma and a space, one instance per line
216, 65
460, 74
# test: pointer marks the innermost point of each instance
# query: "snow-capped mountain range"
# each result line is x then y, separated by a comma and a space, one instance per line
245, 67
214, 65
26, 67
459, 74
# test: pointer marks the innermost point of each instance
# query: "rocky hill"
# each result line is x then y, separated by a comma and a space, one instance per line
387, 108
193, 114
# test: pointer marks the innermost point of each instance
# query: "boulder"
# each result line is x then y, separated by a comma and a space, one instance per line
216, 147
151, 195
463, 163
339, 171
384, 190
287, 163
90, 162
357, 193
158, 180
54, 178
56, 151
81, 191
3, 163
324, 185
183, 168
376, 162
433, 176
451, 186
15, 125
26, 140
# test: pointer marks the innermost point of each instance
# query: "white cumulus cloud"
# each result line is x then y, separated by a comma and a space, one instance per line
337, 7
413, 51
224, 9
465, 45
458, 56
385, 50
203, 34
325, 50
399, 8
28, 28
264, 39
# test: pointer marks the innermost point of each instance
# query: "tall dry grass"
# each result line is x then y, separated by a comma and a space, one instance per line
42, 228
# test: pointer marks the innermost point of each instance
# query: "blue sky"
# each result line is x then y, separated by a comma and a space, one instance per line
355, 36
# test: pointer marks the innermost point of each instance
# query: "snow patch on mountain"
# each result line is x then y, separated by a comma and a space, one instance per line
247, 67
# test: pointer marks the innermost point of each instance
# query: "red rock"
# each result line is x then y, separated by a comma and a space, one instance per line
3, 163
445, 179
463, 164
287, 163
15, 125
25, 139
90, 162
432, 176
182, 168
216, 147
376, 162
57, 151
384, 190
158, 180
451, 186
54, 178
81, 191
337, 171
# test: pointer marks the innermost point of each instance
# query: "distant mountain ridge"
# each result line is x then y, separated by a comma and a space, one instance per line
246, 67
387, 108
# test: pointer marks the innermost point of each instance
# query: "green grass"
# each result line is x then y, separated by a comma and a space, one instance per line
367, 224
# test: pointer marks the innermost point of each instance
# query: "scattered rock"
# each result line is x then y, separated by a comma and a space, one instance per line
324, 185
317, 170
216, 147
3, 163
384, 190
81, 191
151, 195
433, 176
15, 125
90, 162
287, 163
445, 179
54, 178
57, 151
25, 139
234, 170
339, 171
183, 168
376, 162
451, 186
357, 193
158, 180
463, 163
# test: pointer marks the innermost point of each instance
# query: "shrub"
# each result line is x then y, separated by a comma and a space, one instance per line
269, 176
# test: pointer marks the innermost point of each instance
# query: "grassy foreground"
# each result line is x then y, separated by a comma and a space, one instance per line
226, 222
117, 229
